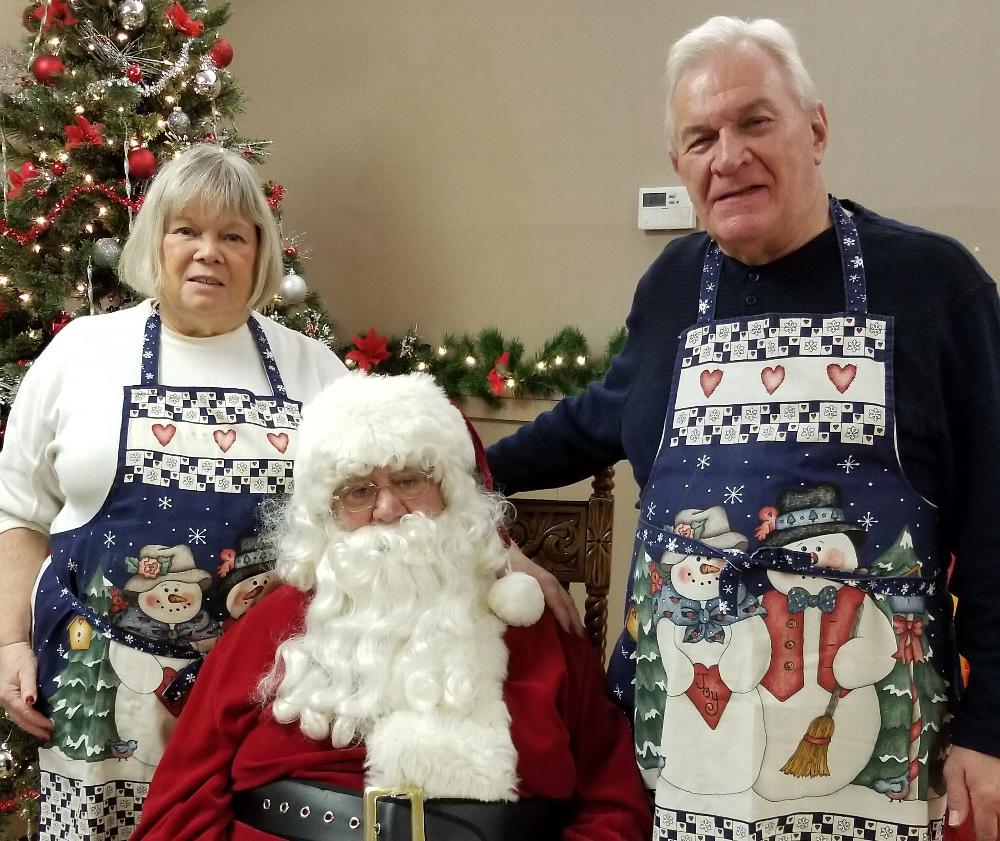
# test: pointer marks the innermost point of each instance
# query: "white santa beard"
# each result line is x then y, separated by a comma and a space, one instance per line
399, 639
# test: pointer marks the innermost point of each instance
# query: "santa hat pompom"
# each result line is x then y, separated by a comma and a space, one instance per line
517, 599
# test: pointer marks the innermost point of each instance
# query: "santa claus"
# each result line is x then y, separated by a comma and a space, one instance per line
397, 657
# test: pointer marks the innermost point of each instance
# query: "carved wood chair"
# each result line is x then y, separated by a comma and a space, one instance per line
572, 540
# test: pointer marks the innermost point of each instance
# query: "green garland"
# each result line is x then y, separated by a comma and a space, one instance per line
487, 365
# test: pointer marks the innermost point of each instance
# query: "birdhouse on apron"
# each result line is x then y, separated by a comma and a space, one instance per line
80, 634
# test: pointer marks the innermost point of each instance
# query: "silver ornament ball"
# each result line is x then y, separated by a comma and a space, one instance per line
106, 252
132, 14
293, 289
179, 122
207, 83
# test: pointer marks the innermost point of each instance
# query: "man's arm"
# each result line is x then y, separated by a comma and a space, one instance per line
22, 552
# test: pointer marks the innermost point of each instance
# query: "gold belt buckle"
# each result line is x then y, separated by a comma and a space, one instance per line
415, 795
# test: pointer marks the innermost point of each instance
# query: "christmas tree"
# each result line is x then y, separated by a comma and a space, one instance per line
86, 732
18, 781
104, 91
650, 679
912, 696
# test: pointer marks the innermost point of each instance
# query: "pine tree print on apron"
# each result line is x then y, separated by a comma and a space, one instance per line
129, 603
792, 668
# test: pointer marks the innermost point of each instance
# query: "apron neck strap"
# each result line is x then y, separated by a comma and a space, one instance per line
151, 353
851, 261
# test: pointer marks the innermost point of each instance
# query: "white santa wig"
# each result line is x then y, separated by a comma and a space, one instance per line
361, 422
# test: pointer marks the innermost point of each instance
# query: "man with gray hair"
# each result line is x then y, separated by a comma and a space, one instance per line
821, 395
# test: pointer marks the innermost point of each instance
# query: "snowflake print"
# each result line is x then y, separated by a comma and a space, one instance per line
659, 537
756, 330
129, 638
618, 692
876, 415
857, 262
147, 354
645, 535
704, 461
109, 539
730, 433
848, 242
868, 520
853, 433
723, 606
196, 536
848, 464
854, 346
165, 503
734, 494
651, 510
702, 306
71, 565
830, 412
60, 649
876, 328
810, 345
672, 544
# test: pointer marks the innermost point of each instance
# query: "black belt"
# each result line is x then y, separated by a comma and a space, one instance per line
301, 811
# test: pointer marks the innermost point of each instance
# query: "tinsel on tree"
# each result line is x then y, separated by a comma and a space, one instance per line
18, 781
102, 94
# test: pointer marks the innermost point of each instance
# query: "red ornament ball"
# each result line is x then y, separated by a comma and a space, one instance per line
8, 806
221, 53
134, 73
58, 169
210, 138
291, 251
141, 163
46, 67
40, 192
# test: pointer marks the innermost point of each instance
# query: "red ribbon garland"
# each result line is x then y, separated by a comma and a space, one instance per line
909, 631
24, 237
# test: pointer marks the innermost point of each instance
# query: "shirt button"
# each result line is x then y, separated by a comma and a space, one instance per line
750, 300
789, 665
753, 277
791, 623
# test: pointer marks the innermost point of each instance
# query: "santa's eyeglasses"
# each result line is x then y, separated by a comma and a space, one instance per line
405, 485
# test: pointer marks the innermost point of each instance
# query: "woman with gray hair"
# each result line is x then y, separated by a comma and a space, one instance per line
138, 451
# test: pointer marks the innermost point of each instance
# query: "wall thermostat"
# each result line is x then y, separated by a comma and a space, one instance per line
665, 209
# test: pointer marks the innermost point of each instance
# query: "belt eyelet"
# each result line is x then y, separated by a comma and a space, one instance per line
267, 803
354, 823
328, 817
304, 812
283, 807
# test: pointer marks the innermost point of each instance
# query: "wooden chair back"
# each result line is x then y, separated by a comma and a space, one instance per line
572, 540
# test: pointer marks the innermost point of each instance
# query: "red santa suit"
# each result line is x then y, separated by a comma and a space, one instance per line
572, 743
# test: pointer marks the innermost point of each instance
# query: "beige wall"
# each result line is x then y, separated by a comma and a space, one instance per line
458, 164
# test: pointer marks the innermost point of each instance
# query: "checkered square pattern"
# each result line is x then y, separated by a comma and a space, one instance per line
808, 422
73, 811
211, 407
801, 826
234, 476
778, 337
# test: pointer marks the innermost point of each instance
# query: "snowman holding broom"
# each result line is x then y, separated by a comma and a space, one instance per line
829, 644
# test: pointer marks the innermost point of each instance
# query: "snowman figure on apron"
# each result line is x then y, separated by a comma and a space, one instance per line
165, 595
714, 662
829, 645
246, 576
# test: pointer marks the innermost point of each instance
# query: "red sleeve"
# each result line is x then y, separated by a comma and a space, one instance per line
611, 801
190, 796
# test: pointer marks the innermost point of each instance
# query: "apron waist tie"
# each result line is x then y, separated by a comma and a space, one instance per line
738, 562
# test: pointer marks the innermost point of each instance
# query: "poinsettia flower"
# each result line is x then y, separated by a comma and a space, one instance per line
497, 378
370, 350
182, 21
19, 179
655, 580
84, 133
59, 13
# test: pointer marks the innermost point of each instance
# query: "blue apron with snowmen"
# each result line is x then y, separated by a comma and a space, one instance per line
129, 603
787, 629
